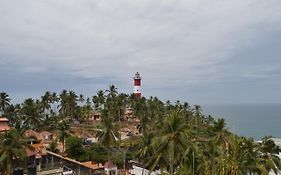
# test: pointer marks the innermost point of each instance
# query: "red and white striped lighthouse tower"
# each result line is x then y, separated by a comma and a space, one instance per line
137, 85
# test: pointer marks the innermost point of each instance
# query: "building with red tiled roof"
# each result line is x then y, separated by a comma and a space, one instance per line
47, 136
34, 134
91, 165
110, 168
4, 124
30, 152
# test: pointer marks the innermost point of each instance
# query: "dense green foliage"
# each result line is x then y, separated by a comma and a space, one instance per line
12, 150
175, 137
74, 148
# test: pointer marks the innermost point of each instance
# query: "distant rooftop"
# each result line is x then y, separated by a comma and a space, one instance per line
4, 128
4, 119
109, 164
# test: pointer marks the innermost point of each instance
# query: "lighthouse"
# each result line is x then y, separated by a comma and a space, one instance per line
137, 85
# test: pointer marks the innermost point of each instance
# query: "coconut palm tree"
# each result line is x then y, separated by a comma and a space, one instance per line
221, 137
109, 134
171, 141
64, 131
68, 105
46, 100
99, 100
250, 155
140, 109
4, 101
32, 113
12, 149
269, 160
121, 102
81, 99
145, 149
112, 91
54, 100
87, 109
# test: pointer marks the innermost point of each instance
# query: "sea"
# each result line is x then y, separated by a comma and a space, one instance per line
250, 120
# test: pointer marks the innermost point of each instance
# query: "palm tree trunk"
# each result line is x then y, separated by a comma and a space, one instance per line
193, 165
9, 168
171, 166
63, 144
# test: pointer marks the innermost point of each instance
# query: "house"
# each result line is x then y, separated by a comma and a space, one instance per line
138, 169
129, 114
4, 126
34, 136
110, 168
94, 117
32, 165
47, 136
92, 165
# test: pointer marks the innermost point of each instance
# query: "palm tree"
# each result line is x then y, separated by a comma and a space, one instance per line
99, 100
210, 156
221, 138
32, 113
10, 112
81, 99
145, 149
112, 91
109, 134
139, 108
250, 154
54, 100
12, 149
171, 141
64, 131
53, 146
111, 102
4, 101
68, 103
87, 109
121, 102
269, 160
63, 103
46, 100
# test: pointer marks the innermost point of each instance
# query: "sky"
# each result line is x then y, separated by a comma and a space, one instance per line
196, 51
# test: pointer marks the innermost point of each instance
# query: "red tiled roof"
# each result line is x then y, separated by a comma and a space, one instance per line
38, 154
46, 133
30, 152
31, 133
3, 119
109, 164
91, 165
4, 128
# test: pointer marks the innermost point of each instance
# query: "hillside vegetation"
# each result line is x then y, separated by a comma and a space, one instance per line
174, 137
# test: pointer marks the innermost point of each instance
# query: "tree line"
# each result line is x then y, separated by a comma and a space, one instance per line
175, 137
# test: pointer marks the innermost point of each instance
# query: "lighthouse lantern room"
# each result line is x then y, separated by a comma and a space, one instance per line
137, 85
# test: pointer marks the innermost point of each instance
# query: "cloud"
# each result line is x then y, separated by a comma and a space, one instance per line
172, 43
264, 73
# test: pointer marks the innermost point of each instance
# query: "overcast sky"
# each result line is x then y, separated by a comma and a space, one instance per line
199, 51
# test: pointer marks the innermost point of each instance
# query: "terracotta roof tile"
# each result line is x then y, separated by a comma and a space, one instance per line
30, 152
4, 128
91, 165
3, 119
46, 133
109, 164
31, 133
